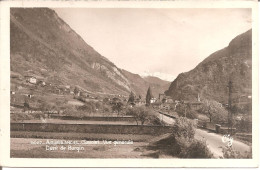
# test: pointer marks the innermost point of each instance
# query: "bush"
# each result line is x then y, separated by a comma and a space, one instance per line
183, 134
88, 107
182, 143
99, 105
184, 128
196, 149
192, 114
106, 108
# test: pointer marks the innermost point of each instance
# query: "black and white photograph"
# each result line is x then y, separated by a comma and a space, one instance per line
131, 83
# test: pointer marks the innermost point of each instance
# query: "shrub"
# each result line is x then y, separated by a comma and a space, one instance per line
99, 105
196, 149
183, 134
106, 108
184, 128
192, 114
118, 106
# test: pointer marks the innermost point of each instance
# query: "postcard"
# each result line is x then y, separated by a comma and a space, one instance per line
129, 84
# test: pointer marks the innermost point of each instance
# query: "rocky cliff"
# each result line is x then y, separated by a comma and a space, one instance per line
43, 44
209, 79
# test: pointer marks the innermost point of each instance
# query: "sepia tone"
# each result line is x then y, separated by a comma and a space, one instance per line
69, 101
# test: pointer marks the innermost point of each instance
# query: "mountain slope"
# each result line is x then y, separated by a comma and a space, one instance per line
210, 78
140, 85
42, 44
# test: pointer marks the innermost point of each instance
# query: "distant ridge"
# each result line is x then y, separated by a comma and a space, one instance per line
209, 79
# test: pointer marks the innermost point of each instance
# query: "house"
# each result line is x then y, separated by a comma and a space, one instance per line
165, 106
157, 104
152, 100
42, 83
31, 79
195, 105
165, 99
12, 92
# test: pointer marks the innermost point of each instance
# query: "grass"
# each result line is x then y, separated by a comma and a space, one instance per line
102, 151
22, 148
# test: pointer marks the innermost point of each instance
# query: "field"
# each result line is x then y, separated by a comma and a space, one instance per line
22, 148
113, 146
25, 142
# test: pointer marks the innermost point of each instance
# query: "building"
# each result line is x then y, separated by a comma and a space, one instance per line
153, 100
195, 105
42, 83
31, 79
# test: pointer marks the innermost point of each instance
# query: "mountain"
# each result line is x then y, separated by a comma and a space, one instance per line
210, 78
43, 45
140, 85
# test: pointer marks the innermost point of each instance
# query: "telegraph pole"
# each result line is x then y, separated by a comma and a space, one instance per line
230, 114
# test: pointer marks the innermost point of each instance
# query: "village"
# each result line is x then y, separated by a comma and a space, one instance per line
27, 87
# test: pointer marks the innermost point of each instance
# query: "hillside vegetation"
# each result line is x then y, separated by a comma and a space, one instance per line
210, 78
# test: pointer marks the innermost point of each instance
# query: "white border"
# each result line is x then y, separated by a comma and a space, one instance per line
5, 159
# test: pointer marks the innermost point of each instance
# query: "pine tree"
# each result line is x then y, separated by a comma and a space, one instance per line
131, 98
149, 96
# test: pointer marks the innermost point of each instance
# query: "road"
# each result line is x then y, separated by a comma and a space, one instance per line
215, 143
166, 119
213, 140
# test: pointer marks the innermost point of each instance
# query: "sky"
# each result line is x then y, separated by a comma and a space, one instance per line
158, 42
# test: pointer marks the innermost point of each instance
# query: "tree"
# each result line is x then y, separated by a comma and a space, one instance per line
185, 110
215, 111
105, 100
149, 96
131, 98
182, 109
141, 114
184, 127
76, 90
26, 106
117, 107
